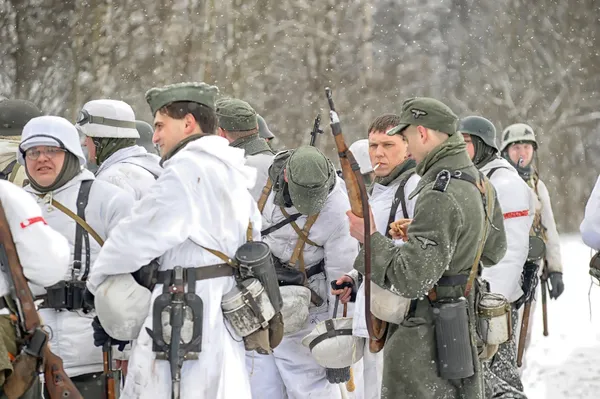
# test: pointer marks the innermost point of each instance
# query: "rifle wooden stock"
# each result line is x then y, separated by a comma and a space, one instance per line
359, 204
350, 386
523, 333
57, 382
544, 281
109, 378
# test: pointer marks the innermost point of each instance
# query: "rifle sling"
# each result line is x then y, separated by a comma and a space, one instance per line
79, 220
279, 225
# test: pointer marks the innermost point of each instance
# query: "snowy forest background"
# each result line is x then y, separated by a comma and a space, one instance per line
511, 61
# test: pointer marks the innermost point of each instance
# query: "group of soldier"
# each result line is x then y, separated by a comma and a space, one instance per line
451, 216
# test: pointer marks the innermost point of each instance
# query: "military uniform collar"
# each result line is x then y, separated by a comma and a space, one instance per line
252, 145
396, 173
451, 155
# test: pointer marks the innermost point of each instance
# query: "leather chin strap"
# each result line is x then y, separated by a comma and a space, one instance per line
330, 333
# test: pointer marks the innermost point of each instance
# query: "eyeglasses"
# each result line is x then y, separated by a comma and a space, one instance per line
51, 152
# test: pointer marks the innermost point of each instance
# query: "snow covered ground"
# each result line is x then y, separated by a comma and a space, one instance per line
566, 364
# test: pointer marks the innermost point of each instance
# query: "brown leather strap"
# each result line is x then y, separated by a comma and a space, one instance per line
76, 218
249, 232
221, 256
13, 173
199, 273
262, 201
485, 187
298, 230
298, 253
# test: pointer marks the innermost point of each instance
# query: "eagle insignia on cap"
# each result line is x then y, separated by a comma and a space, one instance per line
417, 113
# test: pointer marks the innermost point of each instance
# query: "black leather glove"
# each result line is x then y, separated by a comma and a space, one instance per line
88, 299
556, 284
345, 284
101, 337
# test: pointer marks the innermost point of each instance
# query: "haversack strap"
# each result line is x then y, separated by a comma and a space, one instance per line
262, 201
81, 222
302, 240
300, 231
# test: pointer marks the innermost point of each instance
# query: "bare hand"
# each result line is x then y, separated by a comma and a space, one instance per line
399, 228
344, 293
357, 226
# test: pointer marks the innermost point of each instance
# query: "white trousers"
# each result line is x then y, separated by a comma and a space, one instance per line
290, 371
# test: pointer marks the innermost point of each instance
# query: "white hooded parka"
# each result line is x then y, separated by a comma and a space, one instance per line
71, 337
590, 226
44, 253
518, 206
201, 198
133, 169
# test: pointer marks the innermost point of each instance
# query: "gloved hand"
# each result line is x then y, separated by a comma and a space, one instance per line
101, 337
88, 299
556, 284
345, 288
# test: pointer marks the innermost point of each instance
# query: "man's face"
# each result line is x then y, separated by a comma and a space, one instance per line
470, 146
44, 163
415, 141
521, 152
168, 132
88, 143
387, 151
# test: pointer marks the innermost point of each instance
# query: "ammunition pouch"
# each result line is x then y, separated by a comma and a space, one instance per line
65, 295
595, 266
147, 275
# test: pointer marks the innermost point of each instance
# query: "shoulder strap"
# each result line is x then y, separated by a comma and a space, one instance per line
81, 222
399, 198
493, 170
302, 240
13, 174
249, 232
488, 197
224, 257
7, 173
300, 231
262, 201
80, 233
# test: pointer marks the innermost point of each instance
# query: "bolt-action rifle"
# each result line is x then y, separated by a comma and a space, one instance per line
359, 204
35, 350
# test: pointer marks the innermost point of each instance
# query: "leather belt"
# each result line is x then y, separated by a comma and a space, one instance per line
198, 273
